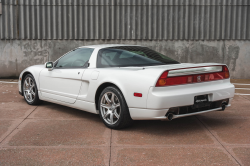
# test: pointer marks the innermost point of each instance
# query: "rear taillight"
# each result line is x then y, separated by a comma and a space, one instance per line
226, 72
166, 80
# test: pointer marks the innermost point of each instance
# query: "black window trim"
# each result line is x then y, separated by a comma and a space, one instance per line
99, 58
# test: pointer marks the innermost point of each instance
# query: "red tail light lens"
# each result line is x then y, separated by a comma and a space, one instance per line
164, 80
226, 71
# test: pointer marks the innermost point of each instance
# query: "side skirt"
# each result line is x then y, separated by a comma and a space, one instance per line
79, 104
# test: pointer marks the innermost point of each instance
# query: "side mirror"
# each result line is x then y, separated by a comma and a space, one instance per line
49, 65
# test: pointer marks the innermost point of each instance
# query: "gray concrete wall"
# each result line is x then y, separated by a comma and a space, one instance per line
16, 55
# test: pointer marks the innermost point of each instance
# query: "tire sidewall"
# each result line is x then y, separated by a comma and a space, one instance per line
123, 106
35, 101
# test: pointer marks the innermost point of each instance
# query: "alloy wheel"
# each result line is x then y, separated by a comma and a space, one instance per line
110, 108
29, 89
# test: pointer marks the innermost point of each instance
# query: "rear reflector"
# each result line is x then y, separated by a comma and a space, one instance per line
166, 80
137, 94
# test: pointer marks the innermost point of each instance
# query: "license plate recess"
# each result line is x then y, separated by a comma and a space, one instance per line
201, 101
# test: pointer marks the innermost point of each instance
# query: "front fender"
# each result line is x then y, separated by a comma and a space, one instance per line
34, 71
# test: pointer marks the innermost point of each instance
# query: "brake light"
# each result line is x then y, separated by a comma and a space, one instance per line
166, 80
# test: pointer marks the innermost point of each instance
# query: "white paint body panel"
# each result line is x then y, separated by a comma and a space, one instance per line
61, 84
67, 87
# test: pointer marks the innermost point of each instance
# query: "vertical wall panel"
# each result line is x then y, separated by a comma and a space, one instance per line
125, 19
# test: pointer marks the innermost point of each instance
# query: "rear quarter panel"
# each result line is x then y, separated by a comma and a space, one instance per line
128, 81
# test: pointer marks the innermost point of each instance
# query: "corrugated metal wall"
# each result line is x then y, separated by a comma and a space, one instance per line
126, 19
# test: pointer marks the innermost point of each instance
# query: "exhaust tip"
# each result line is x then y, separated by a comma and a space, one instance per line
223, 105
170, 116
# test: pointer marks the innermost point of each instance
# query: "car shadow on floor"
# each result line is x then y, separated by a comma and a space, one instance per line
55, 111
193, 126
184, 125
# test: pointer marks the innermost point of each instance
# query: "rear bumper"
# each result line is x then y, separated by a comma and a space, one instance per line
183, 95
147, 114
161, 99
196, 113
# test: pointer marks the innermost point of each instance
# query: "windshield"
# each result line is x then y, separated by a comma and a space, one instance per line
123, 56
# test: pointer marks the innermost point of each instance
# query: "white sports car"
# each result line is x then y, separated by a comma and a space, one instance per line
123, 83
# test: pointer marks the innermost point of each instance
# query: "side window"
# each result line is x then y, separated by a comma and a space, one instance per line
75, 59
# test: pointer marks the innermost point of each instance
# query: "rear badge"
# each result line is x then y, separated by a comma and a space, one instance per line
199, 79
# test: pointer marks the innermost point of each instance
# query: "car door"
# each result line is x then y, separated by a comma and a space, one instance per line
63, 83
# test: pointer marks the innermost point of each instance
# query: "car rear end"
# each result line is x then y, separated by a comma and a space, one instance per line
187, 91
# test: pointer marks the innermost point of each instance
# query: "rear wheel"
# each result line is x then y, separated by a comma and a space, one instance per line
113, 109
30, 92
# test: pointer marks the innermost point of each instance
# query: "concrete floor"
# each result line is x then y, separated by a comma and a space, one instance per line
51, 134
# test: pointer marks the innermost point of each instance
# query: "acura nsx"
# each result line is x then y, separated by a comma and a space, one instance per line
123, 83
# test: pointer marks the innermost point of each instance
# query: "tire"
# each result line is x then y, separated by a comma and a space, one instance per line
109, 109
29, 89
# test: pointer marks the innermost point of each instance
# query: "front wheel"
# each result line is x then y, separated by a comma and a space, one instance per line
113, 109
30, 91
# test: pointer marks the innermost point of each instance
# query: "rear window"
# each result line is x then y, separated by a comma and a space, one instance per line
124, 56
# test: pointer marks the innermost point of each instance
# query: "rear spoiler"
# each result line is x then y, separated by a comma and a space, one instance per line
193, 75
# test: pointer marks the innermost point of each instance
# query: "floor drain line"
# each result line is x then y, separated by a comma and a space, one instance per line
110, 148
